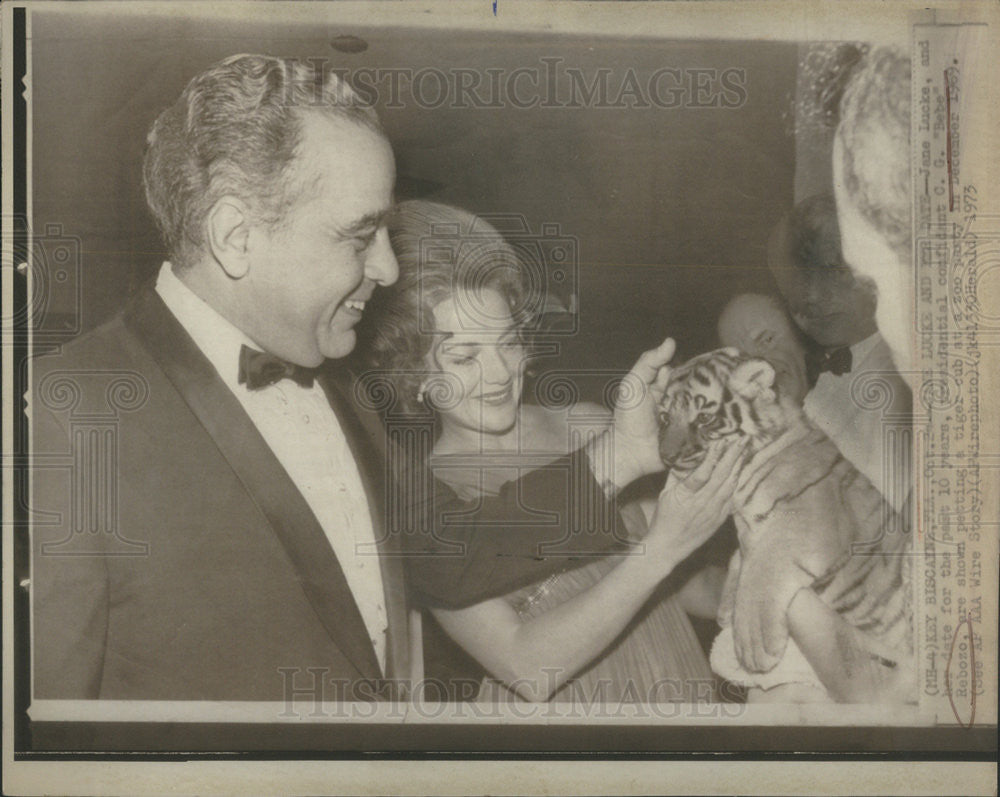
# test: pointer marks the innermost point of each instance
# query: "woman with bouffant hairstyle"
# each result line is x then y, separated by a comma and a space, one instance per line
567, 606
446, 249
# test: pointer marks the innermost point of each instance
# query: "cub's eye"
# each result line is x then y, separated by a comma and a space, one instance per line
704, 418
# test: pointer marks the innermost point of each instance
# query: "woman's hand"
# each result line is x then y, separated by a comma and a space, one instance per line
690, 510
537, 655
636, 430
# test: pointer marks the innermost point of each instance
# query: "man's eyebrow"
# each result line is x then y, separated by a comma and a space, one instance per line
375, 219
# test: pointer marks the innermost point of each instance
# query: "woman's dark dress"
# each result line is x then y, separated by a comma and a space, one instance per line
536, 543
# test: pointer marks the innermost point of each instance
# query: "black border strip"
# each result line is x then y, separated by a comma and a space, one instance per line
361, 755
19, 358
294, 741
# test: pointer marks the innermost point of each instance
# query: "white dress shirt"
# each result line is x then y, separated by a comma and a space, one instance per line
868, 435
302, 430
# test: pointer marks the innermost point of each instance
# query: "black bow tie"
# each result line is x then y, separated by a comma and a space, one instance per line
836, 361
259, 369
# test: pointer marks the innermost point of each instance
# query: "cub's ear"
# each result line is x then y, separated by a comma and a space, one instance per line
753, 380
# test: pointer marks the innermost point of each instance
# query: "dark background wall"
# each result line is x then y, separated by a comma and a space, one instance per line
669, 208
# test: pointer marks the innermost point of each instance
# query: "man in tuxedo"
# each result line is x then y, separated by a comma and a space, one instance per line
207, 509
856, 393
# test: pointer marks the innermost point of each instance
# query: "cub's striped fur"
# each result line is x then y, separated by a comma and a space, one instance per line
806, 517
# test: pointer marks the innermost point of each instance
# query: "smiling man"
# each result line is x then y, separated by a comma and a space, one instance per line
235, 552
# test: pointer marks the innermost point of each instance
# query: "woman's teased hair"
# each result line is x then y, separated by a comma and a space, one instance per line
236, 129
443, 252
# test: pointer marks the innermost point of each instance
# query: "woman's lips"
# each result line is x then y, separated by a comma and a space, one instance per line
496, 397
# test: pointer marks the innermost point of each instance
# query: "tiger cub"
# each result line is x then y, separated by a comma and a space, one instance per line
805, 517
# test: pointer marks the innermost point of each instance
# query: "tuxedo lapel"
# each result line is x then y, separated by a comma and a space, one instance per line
371, 464
266, 481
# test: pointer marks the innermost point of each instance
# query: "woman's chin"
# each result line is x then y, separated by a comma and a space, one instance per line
499, 420
498, 428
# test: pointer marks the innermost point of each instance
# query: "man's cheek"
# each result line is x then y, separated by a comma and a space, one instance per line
802, 322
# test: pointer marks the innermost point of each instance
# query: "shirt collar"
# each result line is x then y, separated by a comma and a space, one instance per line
863, 348
218, 339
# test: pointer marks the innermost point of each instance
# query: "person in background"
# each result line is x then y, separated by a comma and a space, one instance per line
848, 361
758, 324
822, 347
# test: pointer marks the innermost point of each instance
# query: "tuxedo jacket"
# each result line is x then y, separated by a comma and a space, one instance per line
172, 556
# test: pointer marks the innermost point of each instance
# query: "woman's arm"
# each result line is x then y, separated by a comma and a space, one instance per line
534, 657
538, 655
700, 594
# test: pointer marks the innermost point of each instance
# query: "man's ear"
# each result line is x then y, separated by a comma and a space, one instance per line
228, 230
753, 379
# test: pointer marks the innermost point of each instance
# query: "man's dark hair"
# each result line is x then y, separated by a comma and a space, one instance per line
236, 129
813, 233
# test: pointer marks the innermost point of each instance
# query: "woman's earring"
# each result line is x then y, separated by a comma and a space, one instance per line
420, 395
